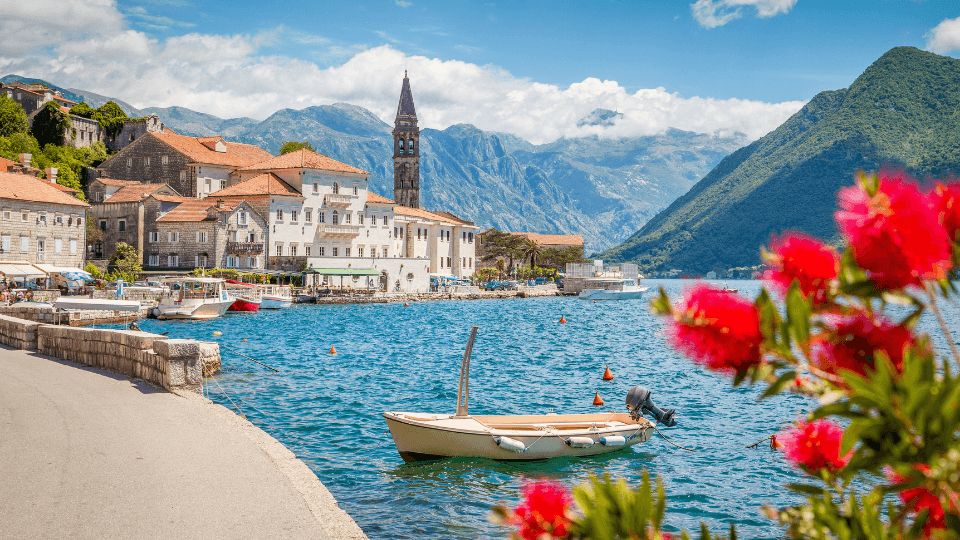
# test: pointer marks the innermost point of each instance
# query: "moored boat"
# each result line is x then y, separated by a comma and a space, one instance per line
611, 289
275, 296
423, 436
193, 298
245, 296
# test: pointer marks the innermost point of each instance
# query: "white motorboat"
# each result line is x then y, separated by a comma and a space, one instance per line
193, 298
275, 296
423, 436
611, 289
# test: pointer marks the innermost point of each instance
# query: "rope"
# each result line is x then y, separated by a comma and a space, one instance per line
756, 444
671, 442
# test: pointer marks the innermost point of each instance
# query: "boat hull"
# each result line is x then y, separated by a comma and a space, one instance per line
419, 436
275, 302
600, 294
243, 304
206, 310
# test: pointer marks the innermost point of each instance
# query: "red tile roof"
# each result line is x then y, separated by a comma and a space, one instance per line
4, 163
374, 198
170, 198
262, 184
116, 183
237, 154
442, 217
64, 189
306, 159
29, 188
552, 239
196, 210
133, 193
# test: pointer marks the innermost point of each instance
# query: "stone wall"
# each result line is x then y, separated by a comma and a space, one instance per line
133, 129
86, 317
143, 161
18, 333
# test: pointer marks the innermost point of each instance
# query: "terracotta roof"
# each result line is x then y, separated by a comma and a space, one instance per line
453, 217
132, 193
4, 163
374, 198
29, 188
115, 182
64, 189
170, 198
196, 210
553, 239
303, 158
262, 184
421, 213
237, 154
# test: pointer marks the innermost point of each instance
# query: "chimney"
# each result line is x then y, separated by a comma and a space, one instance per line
25, 160
219, 204
51, 174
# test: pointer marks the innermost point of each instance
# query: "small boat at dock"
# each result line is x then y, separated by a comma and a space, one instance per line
611, 289
275, 296
424, 436
245, 296
193, 298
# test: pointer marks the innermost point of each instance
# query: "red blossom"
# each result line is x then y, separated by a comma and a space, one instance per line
543, 512
895, 234
852, 343
948, 208
718, 329
810, 262
920, 498
814, 445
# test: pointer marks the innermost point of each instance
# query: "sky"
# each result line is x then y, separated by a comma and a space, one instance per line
531, 68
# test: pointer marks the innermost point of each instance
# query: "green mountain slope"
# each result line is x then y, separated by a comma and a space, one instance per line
903, 112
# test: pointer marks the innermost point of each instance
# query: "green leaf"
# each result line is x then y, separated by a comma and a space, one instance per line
661, 304
778, 386
806, 488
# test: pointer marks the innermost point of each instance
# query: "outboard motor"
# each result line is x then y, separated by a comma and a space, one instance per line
638, 402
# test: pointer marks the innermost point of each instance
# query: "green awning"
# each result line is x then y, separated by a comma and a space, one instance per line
343, 271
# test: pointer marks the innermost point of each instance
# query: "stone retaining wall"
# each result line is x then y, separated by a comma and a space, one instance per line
85, 317
111, 294
174, 364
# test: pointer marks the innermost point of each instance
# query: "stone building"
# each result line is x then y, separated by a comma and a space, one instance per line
40, 221
83, 132
33, 96
406, 150
126, 212
193, 166
133, 129
207, 233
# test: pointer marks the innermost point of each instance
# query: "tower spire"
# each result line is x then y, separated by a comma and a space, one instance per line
406, 150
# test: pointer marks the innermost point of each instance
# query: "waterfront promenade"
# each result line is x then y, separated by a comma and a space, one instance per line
85, 453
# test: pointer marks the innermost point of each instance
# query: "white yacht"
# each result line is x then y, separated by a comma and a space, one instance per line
193, 298
611, 289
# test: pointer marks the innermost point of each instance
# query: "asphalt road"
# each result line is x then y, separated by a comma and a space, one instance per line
85, 453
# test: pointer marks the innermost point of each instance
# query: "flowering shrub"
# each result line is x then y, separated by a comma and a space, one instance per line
882, 446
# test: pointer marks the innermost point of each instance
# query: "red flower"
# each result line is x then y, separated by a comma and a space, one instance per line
948, 208
543, 511
852, 342
895, 234
814, 446
920, 498
718, 329
810, 262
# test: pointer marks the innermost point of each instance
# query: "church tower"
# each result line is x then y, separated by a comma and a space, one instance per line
406, 151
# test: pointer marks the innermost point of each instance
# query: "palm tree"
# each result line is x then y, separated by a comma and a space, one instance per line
532, 250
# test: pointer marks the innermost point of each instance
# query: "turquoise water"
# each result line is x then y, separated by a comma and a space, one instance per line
327, 408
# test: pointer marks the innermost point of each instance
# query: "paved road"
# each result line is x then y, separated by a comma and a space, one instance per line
85, 453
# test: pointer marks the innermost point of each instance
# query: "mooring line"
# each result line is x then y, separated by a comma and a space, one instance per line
245, 356
671, 442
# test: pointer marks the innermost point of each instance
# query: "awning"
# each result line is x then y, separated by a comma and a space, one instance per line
73, 274
11, 271
343, 271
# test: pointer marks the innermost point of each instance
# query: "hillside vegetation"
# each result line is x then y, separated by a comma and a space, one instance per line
902, 112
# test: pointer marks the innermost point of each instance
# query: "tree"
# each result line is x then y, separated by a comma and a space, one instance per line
111, 117
531, 250
497, 244
293, 146
49, 124
127, 262
13, 119
66, 177
83, 110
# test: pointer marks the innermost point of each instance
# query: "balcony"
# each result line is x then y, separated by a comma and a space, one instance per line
338, 231
252, 248
341, 201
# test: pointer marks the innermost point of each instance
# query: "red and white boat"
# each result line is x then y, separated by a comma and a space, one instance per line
275, 296
245, 295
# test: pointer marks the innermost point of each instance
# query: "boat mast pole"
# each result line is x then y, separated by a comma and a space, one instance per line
463, 391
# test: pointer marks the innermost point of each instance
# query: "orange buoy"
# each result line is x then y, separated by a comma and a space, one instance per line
333, 350
563, 320
594, 301
597, 400
244, 339
608, 375
406, 304
774, 443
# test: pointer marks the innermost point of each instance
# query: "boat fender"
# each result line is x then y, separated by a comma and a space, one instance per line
512, 445
613, 440
579, 442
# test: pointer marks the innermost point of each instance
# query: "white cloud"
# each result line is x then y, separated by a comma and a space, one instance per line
232, 76
944, 37
714, 13
404, 3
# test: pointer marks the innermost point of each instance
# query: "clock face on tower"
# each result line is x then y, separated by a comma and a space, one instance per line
406, 150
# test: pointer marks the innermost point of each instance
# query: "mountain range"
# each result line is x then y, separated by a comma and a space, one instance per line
603, 189
903, 112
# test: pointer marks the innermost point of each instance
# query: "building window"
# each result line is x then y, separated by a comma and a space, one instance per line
346, 218
441, 262
279, 214
129, 162
153, 237
293, 215
5, 245
252, 262
122, 225
24, 244
308, 216
154, 260
410, 147
146, 162
359, 251
449, 265
384, 221
164, 160
336, 188
206, 183
173, 237
320, 251
336, 218
6, 214
373, 219
293, 250
57, 245
202, 237
279, 250
306, 250
173, 260
42, 218
336, 251
386, 251
470, 265
356, 190
400, 142
24, 216
470, 237
233, 262
183, 176
58, 220
346, 251
241, 218
321, 217
316, 187
418, 233
103, 224
360, 219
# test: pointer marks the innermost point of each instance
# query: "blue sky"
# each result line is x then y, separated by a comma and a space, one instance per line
528, 67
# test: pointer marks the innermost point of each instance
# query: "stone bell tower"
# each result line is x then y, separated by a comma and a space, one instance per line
406, 151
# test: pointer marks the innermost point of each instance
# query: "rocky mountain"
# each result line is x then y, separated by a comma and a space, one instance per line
603, 189
901, 113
